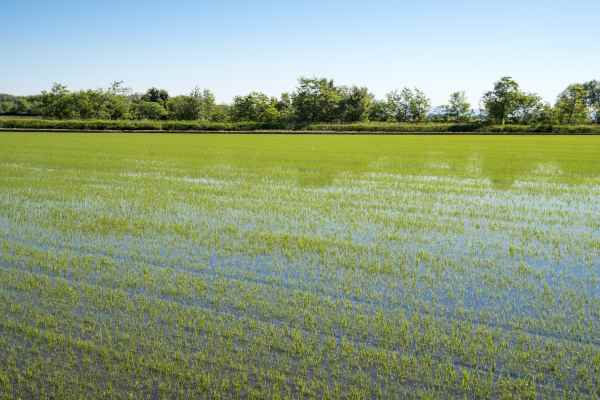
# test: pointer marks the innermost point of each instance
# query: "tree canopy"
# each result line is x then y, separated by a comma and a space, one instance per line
313, 100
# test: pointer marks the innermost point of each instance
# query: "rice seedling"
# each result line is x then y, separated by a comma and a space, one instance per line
228, 266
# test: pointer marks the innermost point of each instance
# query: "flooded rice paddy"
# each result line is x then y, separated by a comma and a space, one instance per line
280, 266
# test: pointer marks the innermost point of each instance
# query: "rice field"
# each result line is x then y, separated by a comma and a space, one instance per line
279, 266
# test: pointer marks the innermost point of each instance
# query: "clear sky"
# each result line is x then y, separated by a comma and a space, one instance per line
233, 47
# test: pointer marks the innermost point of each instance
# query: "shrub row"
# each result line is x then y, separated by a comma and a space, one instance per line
396, 127
558, 129
390, 127
132, 125
364, 127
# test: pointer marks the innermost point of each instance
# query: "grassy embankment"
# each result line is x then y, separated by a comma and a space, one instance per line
363, 127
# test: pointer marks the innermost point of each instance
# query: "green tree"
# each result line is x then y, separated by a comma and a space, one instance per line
285, 108
592, 89
316, 100
198, 105
546, 115
117, 107
221, 113
508, 103
22, 106
458, 107
87, 104
355, 104
7, 103
117, 88
98, 104
206, 101
156, 95
149, 110
503, 100
6, 107
408, 105
529, 108
255, 106
572, 105
58, 103
380, 110
181, 108
116, 101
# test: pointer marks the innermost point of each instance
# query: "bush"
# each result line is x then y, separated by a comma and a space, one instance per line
543, 128
362, 127
133, 125
79, 124
395, 127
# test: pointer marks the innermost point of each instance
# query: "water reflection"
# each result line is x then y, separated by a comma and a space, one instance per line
318, 160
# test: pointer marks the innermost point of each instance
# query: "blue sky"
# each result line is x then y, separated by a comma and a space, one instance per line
233, 47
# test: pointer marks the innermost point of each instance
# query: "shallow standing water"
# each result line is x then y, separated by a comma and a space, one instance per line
299, 266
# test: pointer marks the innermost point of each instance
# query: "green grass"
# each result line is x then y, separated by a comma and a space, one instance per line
262, 266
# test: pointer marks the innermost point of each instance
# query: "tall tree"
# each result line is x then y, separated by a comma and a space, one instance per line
7, 103
206, 101
150, 110
199, 104
381, 110
503, 100
221, 113
529, 108
408, 105
118, 88
255, 106
593, 98
58, 103
572, 105
458, 108
316, 100
6, 107
156, 95
284, 107
354, 104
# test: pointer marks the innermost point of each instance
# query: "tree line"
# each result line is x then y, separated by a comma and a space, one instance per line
313, 100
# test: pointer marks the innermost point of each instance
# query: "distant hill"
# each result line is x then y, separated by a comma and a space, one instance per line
7, 97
